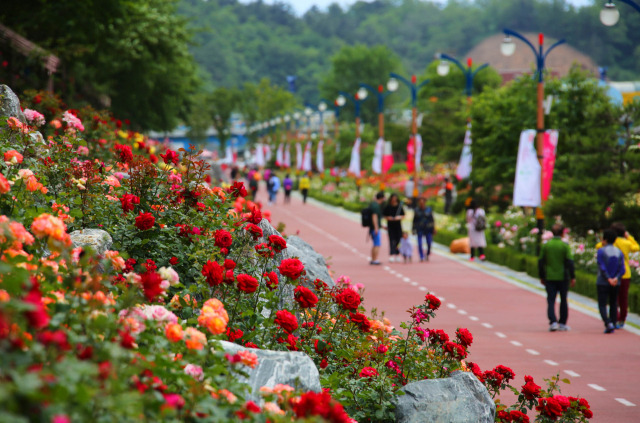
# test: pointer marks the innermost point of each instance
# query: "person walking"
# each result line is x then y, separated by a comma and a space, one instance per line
555, 263
448, 195
275, 187
406, 249
424, 227
374, 230
394, 213
627, 244
305, 184
610, 270
476, 224
254, 179
287, 185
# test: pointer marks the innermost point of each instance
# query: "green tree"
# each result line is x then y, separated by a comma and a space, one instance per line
222, 102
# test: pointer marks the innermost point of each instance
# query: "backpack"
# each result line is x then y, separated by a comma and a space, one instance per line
366, 217
430, 223
481, 223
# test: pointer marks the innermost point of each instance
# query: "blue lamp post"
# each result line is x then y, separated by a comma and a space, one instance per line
469, 73
342, 100
609, 15
507, 48
381, 95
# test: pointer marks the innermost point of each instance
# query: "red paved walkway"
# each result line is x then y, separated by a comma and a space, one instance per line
508, 322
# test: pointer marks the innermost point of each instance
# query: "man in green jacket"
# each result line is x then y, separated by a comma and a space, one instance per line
555, 266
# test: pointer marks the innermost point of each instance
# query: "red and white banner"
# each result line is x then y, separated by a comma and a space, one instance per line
549, 148
280, 155
320, 156
418, 156
387, 157
378, 152
306, 159
464, 165
287, 156
354, 164
298, 156
259, 158
526, 188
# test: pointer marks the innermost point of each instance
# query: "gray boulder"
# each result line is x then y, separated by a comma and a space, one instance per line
314, 263
460, 398
10, 104
291, 368
97, 239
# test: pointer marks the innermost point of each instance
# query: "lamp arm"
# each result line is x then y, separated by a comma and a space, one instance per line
520, 37
405, 81
553, 46
349, 96
454, 61
423, 83
480, 68
632, 4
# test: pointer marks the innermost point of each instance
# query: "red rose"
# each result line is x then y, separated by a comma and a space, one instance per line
492, 378
305, 297
128, 202
264, 250
291, 268
37, 316
563, 401
229, 264
506, 372
151, 282
228, 277
438, 336
432, 301
173, 261
254, 230
475, 369
223, 238
516, 416
232, 335
361, 321
124, 152
286, 321
368, 372
530, 390
56, 338
271, 280
455, 350
145, 221
549, 407
464, 337
237, 189
170, 157
213, 272
247, 283
126, 340
255, 217
348, 299
277, 242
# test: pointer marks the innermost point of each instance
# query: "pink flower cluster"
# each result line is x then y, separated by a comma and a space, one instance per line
72, 121
33, 117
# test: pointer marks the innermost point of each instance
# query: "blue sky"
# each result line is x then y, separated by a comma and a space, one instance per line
301, 6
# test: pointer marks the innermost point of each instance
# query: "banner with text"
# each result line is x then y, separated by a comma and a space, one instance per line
526, 188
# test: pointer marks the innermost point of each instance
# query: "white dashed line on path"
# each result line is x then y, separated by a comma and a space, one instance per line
451, 305
571, 373
414, 283
487, 325
474, 318
422, 288
596, 387
500, 335
440, 298
551, 362
386, 268
625, 402
407, 279
516, 343
398, 275
462, 312
532, 352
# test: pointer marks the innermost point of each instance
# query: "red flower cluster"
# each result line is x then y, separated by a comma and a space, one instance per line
361, 321
514, 416
254, 230
124, 152
247, 283
432, 301
255, 217
170, 157
464, 337
475, 369
530, 390
455, 350
305, 297
223, 238
128, 202
145, 221
264, 250
438, 336
237, 189
229, 264
553, 407
291, 268
150, 282
348, 299
213, 272
506, 372
277, 243
271, 280
312, 404
368, 372
286, 321
232, 335
37, 317
493, 379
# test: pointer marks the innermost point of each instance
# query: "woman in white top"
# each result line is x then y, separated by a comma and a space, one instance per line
476, 224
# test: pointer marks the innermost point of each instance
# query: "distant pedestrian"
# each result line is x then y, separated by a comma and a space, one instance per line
406, 249
424, 227
274, 183
476, 224
555, 263
394, 213
627, 244
304, 186
234, 172
610, 270
374, 230
448, 195
287, 185
254, 179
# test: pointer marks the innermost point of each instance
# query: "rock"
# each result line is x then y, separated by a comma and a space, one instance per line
314, 263
459, 398
97, 239
10, 104
291, 368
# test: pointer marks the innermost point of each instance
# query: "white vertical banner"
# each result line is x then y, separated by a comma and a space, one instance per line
298, 156
287, 156
260, 155
464, 165
267, 152
228, 155
306, 158
320, 156
280, 155
418, 155
526, 188
378, 151
354, 164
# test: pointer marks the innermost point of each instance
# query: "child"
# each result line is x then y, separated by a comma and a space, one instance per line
610, 269
406, 249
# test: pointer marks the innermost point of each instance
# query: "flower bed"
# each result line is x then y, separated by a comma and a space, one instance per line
132, 332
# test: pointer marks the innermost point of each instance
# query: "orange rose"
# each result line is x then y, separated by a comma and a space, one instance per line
195, 339
174, 332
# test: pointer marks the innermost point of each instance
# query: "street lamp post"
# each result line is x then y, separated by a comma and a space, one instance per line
507, 48
336, 118
308, 111
342, 100
609, 15
322, 107
392, 86
469, 73
380, 94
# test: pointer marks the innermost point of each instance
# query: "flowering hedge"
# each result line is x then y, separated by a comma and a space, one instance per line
132, 332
